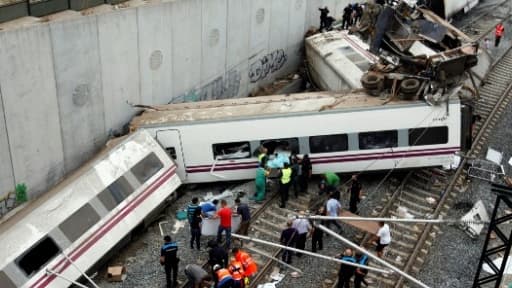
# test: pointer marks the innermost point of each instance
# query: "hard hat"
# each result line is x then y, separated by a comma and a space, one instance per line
216, 267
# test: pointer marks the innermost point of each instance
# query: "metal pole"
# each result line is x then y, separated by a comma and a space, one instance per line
84, 274
273, 258
401, 220
380, 261
310, 253
51, 272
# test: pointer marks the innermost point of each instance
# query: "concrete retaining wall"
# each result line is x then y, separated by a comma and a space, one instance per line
65, 84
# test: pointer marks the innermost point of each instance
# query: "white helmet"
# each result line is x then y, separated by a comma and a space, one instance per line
216, 267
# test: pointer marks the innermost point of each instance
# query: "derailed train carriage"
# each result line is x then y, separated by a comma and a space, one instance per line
341, 132
87, 215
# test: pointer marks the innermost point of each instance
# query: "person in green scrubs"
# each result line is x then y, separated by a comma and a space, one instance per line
261, 182
332, 179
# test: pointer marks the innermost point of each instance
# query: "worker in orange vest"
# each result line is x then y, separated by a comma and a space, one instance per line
237, 272
498, 33
222, 277
248, 263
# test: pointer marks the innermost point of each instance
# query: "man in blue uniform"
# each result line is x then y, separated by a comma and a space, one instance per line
346, 271
169, 259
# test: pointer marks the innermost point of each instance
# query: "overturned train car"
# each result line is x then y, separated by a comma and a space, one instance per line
342, 132
75, 225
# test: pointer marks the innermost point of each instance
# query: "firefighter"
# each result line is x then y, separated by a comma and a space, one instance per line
237, 272
250, 267
286, 177
222, 277
500, 29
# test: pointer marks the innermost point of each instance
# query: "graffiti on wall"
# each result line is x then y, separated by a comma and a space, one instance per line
224, 86
267, 64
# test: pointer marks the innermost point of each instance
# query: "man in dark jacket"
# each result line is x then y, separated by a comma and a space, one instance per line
355, 194
169, 259
217, 254
346, 271
288, 238
347, 14
323, 17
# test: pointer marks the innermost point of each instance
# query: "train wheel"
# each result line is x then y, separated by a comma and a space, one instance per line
410, 86
371, 81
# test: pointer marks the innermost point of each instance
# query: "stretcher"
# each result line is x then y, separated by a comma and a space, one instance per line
368, 226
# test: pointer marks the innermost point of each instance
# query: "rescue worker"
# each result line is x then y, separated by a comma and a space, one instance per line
305, 173
383, 238
333, 207
347, 13
318, 234
198, 276
294, 160
191, 208
355, 194
331, 179
243, 210
286, 175
262, 156
261, 182
237, 272
209, 208
250, 267
169, 259
222, 277
303, 228
217, 254
195, 230
323, 17
288, 238
224, 214
346, 271
500, 29
360, 272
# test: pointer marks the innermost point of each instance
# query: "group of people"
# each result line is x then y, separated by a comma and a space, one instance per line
223, 274
295, 172
234, 274
352, 13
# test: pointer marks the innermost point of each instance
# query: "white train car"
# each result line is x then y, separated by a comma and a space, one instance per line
216, 140
337, 60
449, 8
84, 217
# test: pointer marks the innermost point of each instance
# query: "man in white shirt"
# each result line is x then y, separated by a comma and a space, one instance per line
303, 227
383, 238
333, 207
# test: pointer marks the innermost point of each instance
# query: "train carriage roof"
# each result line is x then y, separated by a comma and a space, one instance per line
240, 108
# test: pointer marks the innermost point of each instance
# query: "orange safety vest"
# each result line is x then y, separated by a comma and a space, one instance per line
237, 271
499, 30
248, 263
222, 273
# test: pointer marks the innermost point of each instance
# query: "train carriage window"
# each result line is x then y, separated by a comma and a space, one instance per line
78, 223
284, 144
37, 256
147, 167
428, 136
378, 139
233, 150
115, 193
5, 281
328, 143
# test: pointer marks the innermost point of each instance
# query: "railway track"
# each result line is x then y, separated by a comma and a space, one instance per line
424, 193
484, 24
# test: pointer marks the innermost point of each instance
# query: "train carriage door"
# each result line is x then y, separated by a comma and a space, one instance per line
171, 142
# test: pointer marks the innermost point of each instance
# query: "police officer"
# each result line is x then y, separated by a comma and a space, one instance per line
286, 177
360, 272
169, 259
346, 271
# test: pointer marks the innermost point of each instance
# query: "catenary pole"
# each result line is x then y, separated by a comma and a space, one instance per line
51, 272
400, 220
